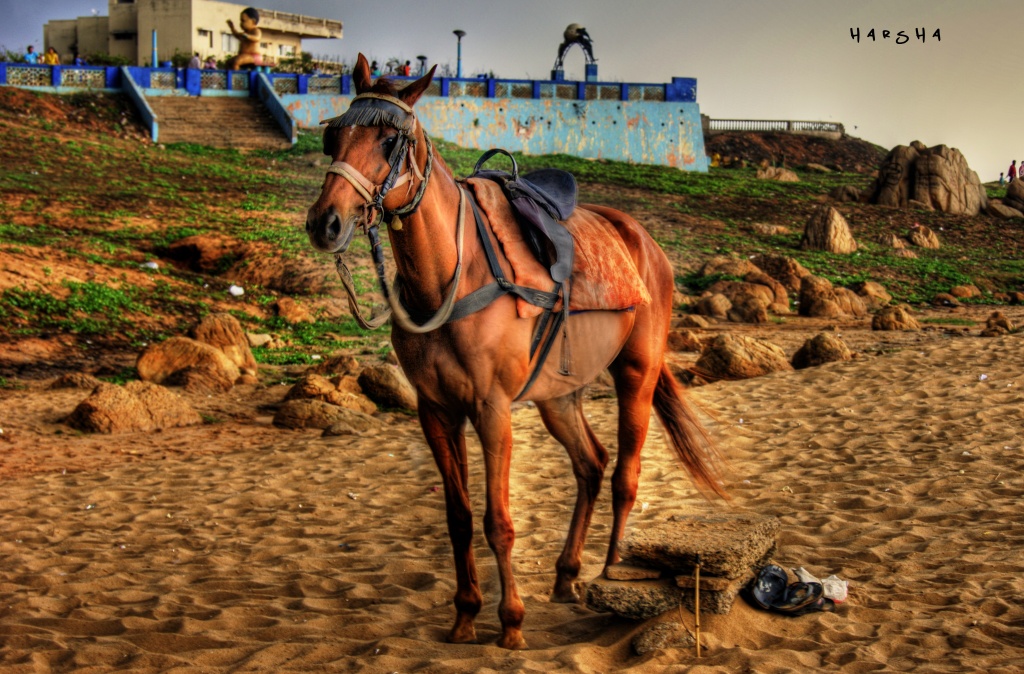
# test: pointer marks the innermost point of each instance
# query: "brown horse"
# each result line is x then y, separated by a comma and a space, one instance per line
474, 367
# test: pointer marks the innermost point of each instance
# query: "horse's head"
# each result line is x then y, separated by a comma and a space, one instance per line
373, 151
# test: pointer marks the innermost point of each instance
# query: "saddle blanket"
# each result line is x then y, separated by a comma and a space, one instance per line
604, 274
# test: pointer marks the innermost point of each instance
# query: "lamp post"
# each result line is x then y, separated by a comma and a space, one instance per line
458, 63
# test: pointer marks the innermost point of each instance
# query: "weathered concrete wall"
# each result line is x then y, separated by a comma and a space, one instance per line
641, 132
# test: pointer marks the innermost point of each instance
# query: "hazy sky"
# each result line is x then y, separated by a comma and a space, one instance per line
753, 59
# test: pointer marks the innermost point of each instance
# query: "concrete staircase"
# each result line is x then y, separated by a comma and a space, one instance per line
217, 121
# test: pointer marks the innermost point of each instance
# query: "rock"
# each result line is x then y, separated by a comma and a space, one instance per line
904, 252
850, 303
779, 294
137, 406
818, 168
713, 305
1016, 297
247, 380
317, 387
945, 300
203, 378
75, 380
737, 357
823, 348
890, 240
999, 210
637, 599
996, 325
684, 340
1014, 196
292, 312
622, 571
769, 230
388, 387
664, 635
691, 321
339, 364
737, 291
728, 266
818, 299
845, 193
919, 205
778, 174
785, 270
894, 318
161, 360
749, 310
257, 340
730, 545
318, 414
827, 230
965, 292
923, 237
936, 178
223, 331
716, 594
875, 295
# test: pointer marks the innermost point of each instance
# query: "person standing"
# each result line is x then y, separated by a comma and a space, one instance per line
407, 70
31, 56
1011, 173
193, 63
1020, 170
51, 57
1002, 180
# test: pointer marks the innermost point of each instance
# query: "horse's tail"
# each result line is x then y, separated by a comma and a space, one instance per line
688, 436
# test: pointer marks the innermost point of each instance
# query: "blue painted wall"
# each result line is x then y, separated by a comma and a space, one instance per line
641, 132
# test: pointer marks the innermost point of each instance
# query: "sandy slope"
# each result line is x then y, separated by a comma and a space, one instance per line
263, 550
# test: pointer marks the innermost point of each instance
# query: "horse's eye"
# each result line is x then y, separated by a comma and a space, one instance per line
388, 144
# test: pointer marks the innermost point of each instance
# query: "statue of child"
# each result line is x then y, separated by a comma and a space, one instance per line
249, 40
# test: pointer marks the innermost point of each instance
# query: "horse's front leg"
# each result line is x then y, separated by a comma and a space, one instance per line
494, 426
445, 435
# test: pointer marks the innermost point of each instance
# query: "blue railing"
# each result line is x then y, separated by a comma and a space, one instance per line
194, 82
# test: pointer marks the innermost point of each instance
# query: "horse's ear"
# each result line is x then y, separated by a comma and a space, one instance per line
361, 75
412, 93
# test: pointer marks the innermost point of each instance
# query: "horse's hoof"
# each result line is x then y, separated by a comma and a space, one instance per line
566, 594
513, 641
462, 636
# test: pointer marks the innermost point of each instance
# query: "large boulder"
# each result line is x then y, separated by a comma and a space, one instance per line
779, 293
716, 306
750, 309
874, 294
223, 331
785, 270
895, 318
737, 291
827, 230
737, 357
1014, 197
137, 406
728, 266
387, 386
819, 299
997, 324
845, 193
823, 348
998, 209
936, 177
162, 360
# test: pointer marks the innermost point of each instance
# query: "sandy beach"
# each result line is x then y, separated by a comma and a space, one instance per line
236, 546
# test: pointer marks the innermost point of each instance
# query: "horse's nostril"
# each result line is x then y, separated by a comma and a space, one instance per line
334, 227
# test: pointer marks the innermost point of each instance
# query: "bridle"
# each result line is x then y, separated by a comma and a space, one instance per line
374, 109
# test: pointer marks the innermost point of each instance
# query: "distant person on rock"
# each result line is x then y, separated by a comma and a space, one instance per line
1002, 180
1020, 170
31, 56
1012, 172
248, 39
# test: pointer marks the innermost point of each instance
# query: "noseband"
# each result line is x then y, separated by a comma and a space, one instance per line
373, 109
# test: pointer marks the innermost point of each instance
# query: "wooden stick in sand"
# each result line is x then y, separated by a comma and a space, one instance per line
696, 604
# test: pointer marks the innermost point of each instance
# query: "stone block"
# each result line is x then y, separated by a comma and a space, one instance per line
629, 572
729, 545
716, 594
635, 599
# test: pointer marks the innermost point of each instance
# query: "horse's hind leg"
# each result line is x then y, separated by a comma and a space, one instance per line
445, 435
564, 419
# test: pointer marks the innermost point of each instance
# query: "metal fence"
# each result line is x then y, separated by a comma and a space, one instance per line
712, 126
